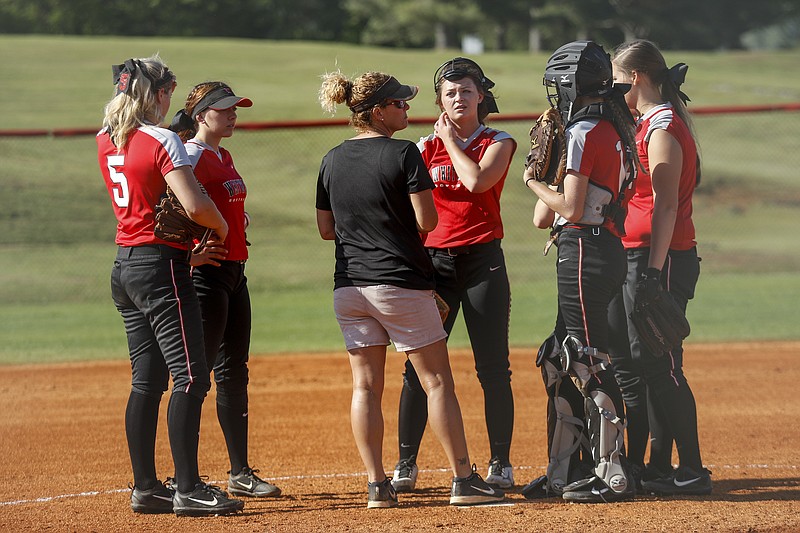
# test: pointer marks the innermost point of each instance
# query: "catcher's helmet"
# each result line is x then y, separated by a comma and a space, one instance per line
579, 68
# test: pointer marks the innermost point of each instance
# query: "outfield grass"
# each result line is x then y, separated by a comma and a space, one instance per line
57, 230
64, 81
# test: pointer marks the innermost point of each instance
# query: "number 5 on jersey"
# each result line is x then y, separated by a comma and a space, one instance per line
121, 191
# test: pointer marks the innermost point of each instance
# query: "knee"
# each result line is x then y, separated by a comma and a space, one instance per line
494, 373
152, 387
495, 380
197, 387
232, 379
232, 392
149, 391
630, 384
232, 398
437, 383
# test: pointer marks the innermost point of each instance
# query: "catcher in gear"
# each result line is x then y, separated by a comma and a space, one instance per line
590, 270
661, 250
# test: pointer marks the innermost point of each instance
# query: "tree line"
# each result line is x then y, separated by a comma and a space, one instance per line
500, 24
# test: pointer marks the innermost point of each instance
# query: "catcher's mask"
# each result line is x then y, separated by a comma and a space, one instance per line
461, 67
579, 68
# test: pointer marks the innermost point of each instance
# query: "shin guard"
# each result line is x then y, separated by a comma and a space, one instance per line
606, 435
565, 427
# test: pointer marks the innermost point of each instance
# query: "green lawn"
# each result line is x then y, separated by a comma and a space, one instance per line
57, 230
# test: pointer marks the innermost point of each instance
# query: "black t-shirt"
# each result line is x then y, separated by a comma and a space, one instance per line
366, 183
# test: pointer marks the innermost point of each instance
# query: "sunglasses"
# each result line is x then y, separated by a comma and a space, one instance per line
399, 104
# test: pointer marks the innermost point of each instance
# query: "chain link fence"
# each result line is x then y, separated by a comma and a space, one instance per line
57, 230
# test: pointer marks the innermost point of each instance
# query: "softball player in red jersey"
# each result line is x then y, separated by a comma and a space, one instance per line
661, 249
153, 290
590, 269
468, 162
208, 117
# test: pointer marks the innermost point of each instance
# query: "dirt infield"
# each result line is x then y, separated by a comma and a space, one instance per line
65, 465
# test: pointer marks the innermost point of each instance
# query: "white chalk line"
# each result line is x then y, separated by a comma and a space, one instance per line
45, 499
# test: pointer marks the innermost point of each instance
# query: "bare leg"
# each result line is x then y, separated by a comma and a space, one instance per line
433, 368
366, 417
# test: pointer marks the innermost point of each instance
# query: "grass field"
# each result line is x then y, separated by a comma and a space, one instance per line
57, 231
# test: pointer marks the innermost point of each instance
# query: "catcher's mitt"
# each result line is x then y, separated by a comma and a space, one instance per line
174, 225
442, 306
661, 323
548, 155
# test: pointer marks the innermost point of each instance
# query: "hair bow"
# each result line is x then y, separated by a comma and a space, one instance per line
181, 121
123, 73
677, 75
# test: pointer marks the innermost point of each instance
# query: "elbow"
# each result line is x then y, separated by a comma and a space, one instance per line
472, 187
476, 186
573, 215
327, 234
428, 224
200, 211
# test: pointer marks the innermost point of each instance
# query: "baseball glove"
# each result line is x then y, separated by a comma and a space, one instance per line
548, 154
661, 323
174, 225
442, 306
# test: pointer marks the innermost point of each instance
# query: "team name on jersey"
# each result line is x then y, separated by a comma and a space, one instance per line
235, 187
444, 175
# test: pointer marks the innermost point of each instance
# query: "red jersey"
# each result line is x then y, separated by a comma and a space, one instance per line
226, 188
595, 150
638, 225
464, 217
134, 177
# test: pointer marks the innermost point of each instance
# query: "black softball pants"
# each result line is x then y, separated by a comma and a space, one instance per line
671, 407
225, 304
153, 291
591, 268
474, 280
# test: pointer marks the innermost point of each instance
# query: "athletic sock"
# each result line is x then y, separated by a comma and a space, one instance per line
183, 419
232, 416
141, 421
499, 414
413, 415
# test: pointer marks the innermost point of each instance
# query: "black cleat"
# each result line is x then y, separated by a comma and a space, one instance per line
473, 490
594, 490
381, 495
247, 483
205, 500
683, 481
157, 500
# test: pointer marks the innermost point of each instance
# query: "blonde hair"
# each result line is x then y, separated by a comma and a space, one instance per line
138, 106
338, 89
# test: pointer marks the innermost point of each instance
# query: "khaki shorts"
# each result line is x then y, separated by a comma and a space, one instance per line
379, 314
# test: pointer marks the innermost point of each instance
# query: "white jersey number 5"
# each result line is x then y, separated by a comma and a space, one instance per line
121, 191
